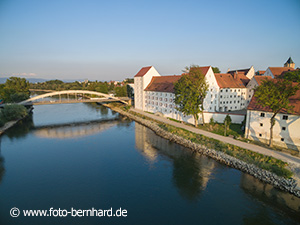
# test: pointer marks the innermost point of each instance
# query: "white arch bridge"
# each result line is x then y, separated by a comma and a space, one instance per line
72, 96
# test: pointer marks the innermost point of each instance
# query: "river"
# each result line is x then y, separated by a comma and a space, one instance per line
84, 156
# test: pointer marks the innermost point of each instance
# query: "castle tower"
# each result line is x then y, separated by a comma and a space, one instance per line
290, 63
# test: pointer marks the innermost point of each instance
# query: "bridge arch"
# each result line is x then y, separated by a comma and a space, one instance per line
69, 92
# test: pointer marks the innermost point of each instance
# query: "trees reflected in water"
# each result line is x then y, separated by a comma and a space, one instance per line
191, 172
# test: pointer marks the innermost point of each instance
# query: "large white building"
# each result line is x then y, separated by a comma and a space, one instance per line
227, 92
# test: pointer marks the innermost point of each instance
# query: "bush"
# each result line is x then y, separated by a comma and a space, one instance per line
13, 112
212, 121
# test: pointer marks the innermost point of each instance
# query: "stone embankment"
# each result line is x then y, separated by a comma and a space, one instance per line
281, 183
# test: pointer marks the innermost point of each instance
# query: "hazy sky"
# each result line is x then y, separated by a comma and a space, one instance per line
112, 40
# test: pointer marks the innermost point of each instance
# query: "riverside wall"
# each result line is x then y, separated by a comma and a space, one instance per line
288, 185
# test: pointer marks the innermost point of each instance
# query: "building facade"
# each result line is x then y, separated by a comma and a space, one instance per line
227, 92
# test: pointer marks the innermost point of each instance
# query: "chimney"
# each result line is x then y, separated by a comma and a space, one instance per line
235, 75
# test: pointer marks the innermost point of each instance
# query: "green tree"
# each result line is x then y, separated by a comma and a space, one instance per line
15, 89
216, 70
275, 94
190, 92
227, 122
121, 91
13, 112
292, 76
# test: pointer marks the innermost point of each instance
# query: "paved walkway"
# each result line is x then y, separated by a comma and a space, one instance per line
278, 155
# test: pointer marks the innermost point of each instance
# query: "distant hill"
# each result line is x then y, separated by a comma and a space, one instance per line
31, 80
35, 80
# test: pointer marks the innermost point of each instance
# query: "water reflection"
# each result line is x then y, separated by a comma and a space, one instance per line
21, 129
191, 172
268, 194
75, 130
2, 169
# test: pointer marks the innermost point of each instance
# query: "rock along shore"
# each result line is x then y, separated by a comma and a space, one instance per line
288, 185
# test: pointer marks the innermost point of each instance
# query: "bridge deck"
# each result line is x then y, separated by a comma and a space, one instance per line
70, 101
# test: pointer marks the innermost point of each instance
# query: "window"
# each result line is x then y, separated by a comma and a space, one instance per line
261, 124
285, 117
220, 96
221, 90
262, 114
283, 128
282, 139
260, 135
226, 90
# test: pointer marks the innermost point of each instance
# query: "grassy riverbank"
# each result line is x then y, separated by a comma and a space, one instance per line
262, 161
265, 162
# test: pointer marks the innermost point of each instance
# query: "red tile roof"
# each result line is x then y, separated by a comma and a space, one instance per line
242, 78
163, 83
226, 80
294, 101
277, 71
143, 71
260, 79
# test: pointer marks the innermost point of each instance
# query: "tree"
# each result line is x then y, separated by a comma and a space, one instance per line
292, 76
227, 122
190, 92
121, 91
216, 70
275, 94
15, 89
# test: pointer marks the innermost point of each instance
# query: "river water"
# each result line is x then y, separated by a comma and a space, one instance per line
105, 161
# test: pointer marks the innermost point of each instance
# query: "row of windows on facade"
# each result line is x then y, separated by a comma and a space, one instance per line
230, 102
161, 104
260, 135
160, 94
284, 117
230, 90
235, 96
160, 99
282, 128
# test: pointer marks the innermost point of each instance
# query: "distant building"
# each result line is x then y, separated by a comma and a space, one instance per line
276, 72
290, 63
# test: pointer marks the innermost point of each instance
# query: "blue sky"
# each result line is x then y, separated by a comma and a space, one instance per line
112, 40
